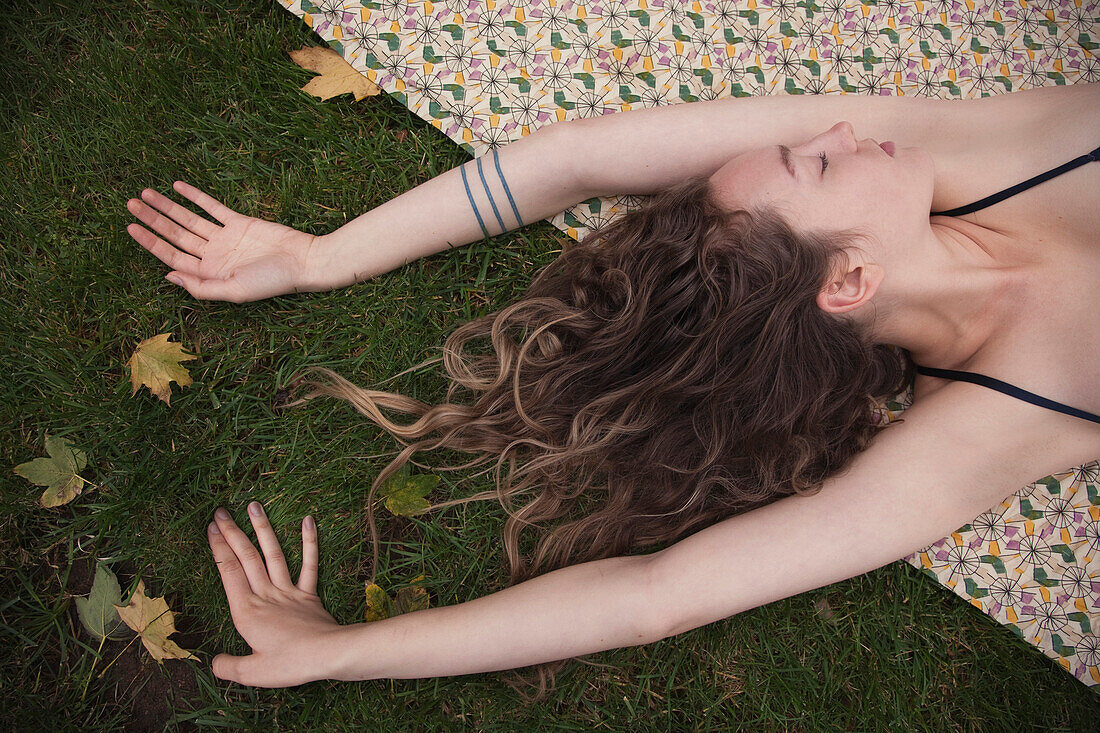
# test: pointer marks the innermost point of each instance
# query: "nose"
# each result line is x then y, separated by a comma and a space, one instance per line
848, 135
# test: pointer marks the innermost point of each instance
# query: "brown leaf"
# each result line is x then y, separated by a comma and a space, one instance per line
156, 363
337, 76
153, 621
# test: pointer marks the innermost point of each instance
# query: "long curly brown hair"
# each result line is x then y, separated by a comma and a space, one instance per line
670, 370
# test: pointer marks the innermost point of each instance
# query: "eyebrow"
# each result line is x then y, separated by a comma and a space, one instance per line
785, 156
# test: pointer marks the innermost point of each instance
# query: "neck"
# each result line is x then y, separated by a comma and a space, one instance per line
951, 294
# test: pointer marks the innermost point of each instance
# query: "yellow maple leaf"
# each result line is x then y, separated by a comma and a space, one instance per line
152, 620
337, 76
155, 363
60, 473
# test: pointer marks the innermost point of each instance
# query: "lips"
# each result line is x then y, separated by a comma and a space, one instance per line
888, 146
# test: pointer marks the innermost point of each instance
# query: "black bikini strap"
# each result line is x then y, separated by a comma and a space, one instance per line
1008, 192
1006, 388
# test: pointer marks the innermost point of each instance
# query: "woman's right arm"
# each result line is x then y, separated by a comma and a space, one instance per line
957, 453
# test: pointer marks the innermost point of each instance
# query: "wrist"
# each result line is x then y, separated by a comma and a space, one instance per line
315, 272
340, 658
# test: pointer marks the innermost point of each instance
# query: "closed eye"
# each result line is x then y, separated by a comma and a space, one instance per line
824, 161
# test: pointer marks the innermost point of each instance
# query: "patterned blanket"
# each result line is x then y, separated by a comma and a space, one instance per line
487, 73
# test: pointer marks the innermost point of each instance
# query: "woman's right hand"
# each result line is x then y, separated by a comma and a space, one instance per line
243, 259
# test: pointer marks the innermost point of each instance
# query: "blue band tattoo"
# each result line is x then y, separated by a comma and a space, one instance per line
496, 159
472, 204
489, 193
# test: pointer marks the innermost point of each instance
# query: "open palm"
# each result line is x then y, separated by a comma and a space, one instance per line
241, 260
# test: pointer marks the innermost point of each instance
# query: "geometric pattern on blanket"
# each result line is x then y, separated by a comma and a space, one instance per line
1032, 563
487, 73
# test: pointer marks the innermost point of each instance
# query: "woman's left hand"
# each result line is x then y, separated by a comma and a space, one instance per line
284, 623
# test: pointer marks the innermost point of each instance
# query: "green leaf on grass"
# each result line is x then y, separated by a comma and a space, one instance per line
404, 493
58, 472
97, 611
411, 598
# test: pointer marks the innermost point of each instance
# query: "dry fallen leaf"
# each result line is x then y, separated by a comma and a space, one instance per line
59, 472
153, 621
156, 363
337, 76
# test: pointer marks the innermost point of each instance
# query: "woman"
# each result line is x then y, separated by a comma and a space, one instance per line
719, 349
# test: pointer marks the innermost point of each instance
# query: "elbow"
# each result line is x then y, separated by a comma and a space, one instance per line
664, 616
567, 140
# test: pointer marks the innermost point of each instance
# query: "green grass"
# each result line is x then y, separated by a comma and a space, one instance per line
102, 100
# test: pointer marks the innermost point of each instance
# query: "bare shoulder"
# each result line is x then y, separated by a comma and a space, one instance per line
954, 455
981, 146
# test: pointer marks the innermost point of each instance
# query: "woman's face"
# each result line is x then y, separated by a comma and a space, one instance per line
887, 195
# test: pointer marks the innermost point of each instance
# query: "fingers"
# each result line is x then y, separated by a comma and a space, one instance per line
228, 290
190, 237
269, 543
210, 205
229, 568
227, 667
247, 554
163, 251
307, 579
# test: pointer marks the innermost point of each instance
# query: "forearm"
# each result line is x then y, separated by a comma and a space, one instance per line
576, 610
534, 181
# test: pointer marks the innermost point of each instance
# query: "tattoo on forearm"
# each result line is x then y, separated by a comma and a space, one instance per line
470, 196
496, 162
492, 203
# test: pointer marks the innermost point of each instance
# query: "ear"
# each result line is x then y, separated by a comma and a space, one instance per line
851, 285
